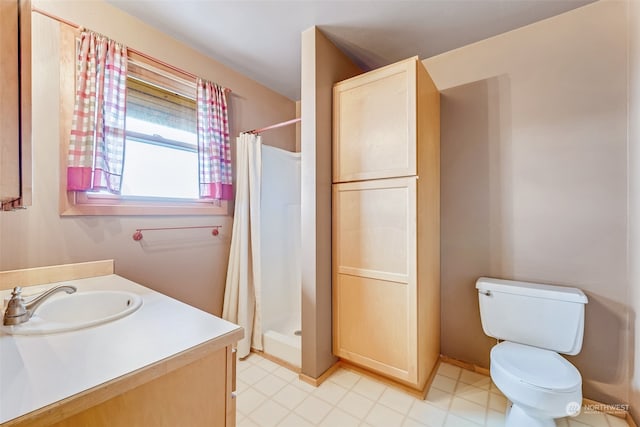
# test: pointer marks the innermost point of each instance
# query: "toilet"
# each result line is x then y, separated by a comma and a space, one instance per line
534, 323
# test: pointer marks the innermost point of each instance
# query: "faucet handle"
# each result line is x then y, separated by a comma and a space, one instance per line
16, 310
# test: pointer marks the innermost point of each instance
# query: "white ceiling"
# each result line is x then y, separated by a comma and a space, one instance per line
261, 39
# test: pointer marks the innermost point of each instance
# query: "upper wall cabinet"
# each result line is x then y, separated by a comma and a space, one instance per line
15, 103
375, 123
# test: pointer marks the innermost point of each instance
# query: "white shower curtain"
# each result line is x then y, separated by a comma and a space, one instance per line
242, 290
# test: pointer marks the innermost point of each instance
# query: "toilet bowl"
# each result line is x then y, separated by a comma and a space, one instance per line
541, 384
536, 322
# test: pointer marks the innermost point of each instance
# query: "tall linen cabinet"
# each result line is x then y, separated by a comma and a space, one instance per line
386, 222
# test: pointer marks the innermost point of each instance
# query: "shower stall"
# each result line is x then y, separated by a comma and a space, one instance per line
280, 254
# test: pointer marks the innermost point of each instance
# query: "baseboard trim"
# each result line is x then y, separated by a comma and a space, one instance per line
343, 364
277, 360
419, 393
322, 378
465, 365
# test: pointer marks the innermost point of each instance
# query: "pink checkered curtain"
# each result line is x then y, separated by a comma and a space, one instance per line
96, 144
214, 148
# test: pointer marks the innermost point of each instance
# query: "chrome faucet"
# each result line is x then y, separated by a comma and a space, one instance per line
19, 311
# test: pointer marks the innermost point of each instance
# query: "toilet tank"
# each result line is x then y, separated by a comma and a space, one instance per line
545, 316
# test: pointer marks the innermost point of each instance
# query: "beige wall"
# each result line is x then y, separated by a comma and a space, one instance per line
323, 64
634, 202
534, 175
188, 265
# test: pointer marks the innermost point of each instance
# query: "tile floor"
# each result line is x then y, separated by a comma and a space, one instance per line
272, 396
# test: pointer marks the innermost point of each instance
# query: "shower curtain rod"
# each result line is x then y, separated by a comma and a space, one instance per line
277, 125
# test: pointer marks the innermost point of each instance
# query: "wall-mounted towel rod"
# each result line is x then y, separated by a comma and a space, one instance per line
137, 235
277, 125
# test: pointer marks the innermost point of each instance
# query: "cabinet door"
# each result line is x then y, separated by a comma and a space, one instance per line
374, 282
9, 102
15, 103
375, 124
194, 394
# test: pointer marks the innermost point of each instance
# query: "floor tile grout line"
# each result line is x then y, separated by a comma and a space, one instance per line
351, 390
486, 407
486, 403
309, 394
376, 401
446, 418
457, 380
248, 415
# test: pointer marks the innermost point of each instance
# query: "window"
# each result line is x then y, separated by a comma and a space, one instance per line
161, 154
160, 175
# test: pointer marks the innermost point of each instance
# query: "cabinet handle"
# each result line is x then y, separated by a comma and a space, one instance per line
234, 394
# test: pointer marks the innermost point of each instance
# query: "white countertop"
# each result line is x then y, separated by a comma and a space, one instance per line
38, 370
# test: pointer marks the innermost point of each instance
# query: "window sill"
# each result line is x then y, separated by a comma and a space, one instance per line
110, 207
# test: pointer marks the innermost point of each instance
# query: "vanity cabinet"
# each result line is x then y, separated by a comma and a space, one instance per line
386, 222
197, 394
195, 388
166, 364
15, 103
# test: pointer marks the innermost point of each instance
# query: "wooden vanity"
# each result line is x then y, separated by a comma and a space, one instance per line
167, 364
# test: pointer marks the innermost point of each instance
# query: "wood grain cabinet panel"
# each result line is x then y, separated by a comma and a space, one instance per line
198, 394
192, 395
386, 222
374, 131
9, 102
375, 226
15, 103
387, 342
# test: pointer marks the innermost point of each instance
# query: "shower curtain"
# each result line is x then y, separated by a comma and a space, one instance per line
242, 290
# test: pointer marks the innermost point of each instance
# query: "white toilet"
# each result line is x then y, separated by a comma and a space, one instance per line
535, 322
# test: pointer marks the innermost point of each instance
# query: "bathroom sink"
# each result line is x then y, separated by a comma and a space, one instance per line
77, 311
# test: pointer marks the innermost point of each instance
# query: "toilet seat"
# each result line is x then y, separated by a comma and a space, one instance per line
536, 367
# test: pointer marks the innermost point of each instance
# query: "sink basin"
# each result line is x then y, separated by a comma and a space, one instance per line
79, 310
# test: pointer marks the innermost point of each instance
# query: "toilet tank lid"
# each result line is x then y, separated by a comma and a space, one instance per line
538, 290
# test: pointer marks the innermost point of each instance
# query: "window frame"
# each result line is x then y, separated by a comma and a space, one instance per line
78, 203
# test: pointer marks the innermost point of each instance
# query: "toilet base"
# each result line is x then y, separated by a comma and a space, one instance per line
517, 417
